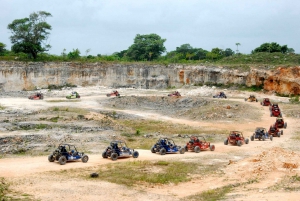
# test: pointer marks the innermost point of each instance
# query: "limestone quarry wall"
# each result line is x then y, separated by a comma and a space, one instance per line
17, 76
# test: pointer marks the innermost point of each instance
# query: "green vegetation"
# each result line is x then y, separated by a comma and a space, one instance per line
28, 34
2, 107
211, 195
288, 183
137, 172
3, 189
53, 86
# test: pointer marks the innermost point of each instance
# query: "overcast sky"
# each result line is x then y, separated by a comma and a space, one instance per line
108, 26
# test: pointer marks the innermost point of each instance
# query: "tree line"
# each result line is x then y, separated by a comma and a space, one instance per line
29, 36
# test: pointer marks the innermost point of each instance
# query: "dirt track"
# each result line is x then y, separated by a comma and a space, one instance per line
36, 176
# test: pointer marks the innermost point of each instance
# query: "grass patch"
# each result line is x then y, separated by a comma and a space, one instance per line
58, 101
211, 195
152, 126
288, 183
3, 189
137, 172
2, 107
6, 194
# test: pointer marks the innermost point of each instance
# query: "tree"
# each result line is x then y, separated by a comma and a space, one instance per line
271, 47
75, 54
29, 34
146, 47
2, 49
217, 51
228, 52
237, 47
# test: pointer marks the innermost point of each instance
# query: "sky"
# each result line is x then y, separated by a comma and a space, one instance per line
108, 26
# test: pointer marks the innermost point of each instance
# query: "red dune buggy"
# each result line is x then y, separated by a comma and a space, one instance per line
37, 96
265, 102
176, 94
280, 123
198, 144
274, 110
114, 93
274, 131
236, 138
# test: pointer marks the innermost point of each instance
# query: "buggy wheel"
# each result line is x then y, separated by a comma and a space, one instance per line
62, 160
84, 158
225, 97
226, 142
285, 125
104, 154
186, 148
108, 95
153, 150
135, 154
271, 114
212, 147
271, 138
182, 150
256, 100
118, 95
114, 156
252, 138
281, 132
197, 149
278, 134
239, 143
263, 138
247, 141
162, 151
51, 158
245, 99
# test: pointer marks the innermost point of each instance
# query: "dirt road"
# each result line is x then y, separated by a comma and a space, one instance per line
36, 176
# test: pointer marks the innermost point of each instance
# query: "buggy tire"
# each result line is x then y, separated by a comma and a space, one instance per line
252, 138
246, 141
271, 138
51, 158
226, 142
153, 150
263, 138
186, 148
104, 154
85, 158
281, 132
197, 149
278, 134
245, 99
271, 114
285, 125
212, 147
62, 160
118, 95
108, 95
135, 154
239, 143
114, 156
182, 150
162, 151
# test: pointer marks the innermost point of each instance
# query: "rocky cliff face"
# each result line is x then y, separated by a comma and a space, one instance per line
27, 76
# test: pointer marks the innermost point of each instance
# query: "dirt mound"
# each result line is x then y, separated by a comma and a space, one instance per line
272, 160
187, 107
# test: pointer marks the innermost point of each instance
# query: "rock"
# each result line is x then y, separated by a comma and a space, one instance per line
94, 175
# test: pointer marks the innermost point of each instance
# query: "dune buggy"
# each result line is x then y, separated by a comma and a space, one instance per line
251, 98
166, 145
73, 95
280, 123
37, 96
220, 95
119, 149
261, 134
197, 144
275, 111
236, 138
175, 94
265, 102
114, 93
67, 152
274, 131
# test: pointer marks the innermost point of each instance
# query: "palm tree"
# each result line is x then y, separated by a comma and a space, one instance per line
237, 47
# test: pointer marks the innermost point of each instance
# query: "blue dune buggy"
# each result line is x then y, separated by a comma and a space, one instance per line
67, 152
119, 149
261, 134
166, 145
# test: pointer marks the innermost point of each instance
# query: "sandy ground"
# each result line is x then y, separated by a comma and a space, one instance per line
36, 176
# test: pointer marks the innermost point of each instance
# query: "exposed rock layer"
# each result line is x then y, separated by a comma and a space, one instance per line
27, 76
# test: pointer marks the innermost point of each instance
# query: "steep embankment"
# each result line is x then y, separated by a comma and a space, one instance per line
29, 75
